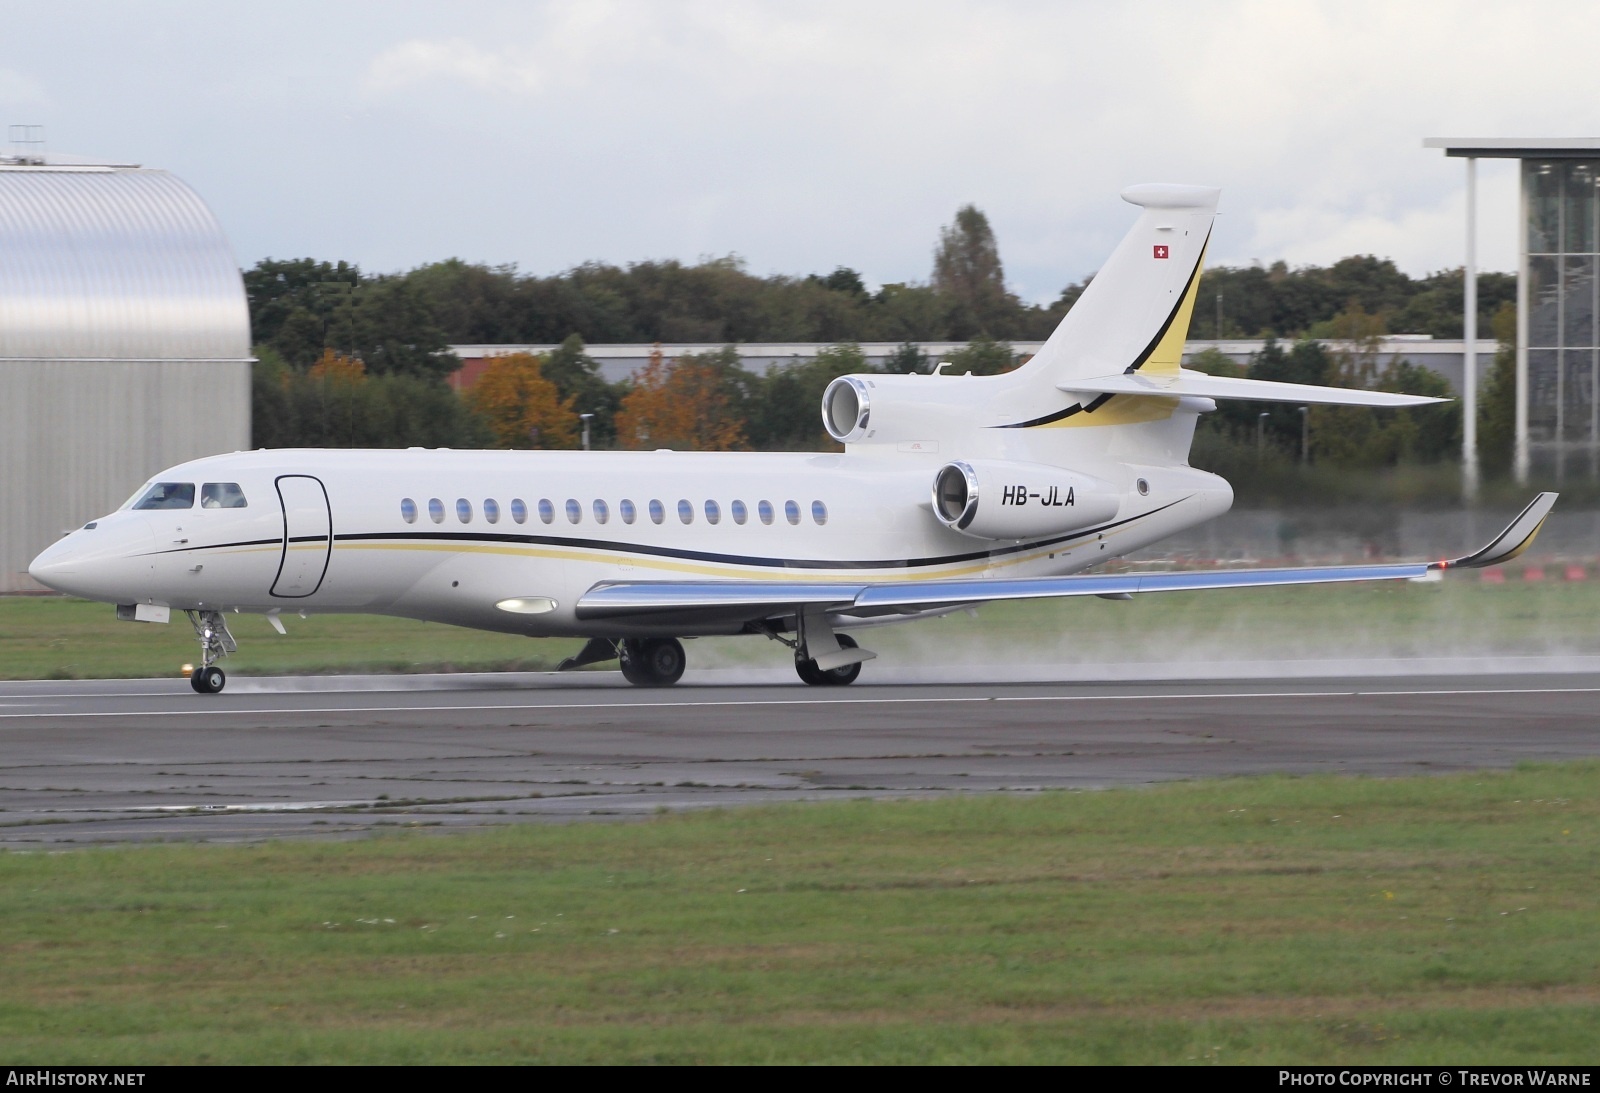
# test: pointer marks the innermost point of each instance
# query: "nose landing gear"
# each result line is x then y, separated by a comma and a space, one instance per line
215, 642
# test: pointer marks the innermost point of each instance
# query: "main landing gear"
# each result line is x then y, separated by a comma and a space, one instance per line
652, 662
646, 662
822, 657
215, 642
807, 669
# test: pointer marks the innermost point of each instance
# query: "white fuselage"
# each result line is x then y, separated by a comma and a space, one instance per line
825, 517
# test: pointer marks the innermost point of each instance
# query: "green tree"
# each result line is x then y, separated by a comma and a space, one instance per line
906, 312
577, 376
968, 273
786, 415
1497, 400
294, 301
395, 331
983, 356
271, 409
908, 358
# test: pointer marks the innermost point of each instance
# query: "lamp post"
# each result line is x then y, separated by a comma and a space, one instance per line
1261, 436
1305, 436
1469, 343
586, 418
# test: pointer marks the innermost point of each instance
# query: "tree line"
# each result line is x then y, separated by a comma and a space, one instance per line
404, 322
348, 358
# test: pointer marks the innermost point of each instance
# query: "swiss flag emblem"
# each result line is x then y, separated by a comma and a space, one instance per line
1161, 250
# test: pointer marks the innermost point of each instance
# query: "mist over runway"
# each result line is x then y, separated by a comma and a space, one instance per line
140, 760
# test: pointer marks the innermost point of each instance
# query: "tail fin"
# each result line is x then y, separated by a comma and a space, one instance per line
1134, 316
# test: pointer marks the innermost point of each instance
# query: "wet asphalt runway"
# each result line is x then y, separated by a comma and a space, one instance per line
123, 761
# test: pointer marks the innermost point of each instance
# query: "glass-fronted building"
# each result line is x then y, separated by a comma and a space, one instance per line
1558, 278
1559, 263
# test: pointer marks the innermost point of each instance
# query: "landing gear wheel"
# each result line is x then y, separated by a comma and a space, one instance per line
807, 669
208, 681
653, 662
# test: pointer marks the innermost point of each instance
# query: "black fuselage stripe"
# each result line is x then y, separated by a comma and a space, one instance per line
467, 537
1062, 415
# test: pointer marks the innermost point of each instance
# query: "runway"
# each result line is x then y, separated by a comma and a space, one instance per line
148, 760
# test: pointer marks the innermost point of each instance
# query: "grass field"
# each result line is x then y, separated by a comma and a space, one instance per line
1429, 920
54, 637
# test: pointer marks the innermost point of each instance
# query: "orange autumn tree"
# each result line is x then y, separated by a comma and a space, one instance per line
680, 405
338, 370
522, 408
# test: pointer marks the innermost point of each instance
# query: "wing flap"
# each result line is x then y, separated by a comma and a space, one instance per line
1189, 384
618, 599
940, 593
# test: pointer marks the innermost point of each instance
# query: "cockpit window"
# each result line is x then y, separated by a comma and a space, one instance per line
167, 495
222, 495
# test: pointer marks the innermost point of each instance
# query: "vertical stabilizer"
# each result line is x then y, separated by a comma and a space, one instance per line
1134, 316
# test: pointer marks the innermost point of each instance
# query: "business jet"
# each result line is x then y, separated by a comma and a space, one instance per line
951, 491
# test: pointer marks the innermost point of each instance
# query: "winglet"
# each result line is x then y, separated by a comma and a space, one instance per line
1510, 542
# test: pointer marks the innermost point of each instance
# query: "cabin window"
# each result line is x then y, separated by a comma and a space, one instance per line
436, 510
167, 495
658, 512
792, 511
602, 511
519, 510
739, 512
491, 510
408, 510
627, 510
547, 511
819, 512
713, 512
463, 510
222, 495
574, 511
765, 509
686, 512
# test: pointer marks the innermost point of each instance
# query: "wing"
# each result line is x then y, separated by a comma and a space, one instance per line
704, 601
1200, 385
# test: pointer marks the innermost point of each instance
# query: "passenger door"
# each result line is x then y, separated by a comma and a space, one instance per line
307, 536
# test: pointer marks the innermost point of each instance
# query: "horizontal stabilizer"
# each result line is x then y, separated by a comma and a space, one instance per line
756, 600
1191, 384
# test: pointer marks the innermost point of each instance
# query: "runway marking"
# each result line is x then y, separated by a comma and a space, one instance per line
211, 710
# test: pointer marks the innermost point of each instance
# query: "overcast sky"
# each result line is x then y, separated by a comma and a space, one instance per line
802, 136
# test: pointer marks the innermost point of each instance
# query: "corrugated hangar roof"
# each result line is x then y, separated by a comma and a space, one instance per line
114, 263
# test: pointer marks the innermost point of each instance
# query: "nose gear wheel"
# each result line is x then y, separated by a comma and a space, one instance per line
215, 643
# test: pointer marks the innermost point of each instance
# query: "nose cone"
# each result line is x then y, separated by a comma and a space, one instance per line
100, 563
54, 563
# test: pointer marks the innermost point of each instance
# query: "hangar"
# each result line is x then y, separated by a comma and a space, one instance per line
124, 342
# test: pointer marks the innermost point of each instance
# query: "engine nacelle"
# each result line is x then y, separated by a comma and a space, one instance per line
846, 409
988, 499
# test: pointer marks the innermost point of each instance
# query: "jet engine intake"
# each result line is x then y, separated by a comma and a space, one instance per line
846, 409
989, 499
